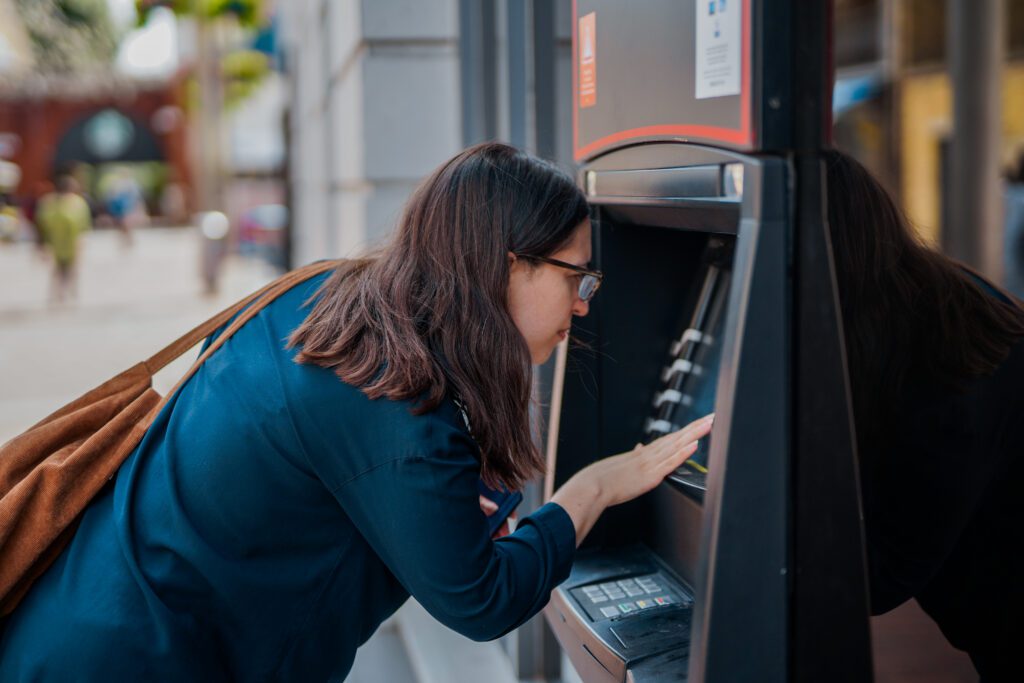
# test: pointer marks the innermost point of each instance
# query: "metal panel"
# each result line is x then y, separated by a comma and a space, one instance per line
742, 587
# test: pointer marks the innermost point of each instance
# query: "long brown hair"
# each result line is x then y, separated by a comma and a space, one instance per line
428, 317
910, 314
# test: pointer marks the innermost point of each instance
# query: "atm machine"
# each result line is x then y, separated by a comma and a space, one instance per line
698, 126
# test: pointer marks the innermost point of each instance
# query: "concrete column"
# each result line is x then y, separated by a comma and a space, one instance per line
209, 119
975, 53
377, 107
302, 32
478, 66
394, 105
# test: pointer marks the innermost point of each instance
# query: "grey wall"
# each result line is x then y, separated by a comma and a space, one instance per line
375, 108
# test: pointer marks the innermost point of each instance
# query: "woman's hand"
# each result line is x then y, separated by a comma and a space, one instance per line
489, 507
626, 476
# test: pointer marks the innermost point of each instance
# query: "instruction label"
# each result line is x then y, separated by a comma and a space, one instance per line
718, 48
588, 60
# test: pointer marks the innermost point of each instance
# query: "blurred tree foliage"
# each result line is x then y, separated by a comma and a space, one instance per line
69, 36
243, 72
249, 12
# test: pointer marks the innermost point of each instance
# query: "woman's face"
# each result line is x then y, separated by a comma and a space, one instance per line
543, 298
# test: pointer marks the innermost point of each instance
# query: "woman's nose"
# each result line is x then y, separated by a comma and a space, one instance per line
581, 307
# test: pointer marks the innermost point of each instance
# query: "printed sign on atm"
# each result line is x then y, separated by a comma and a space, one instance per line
588, 60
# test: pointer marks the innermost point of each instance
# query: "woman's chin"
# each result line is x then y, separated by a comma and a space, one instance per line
541, 357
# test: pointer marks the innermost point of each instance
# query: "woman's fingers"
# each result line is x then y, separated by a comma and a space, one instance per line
697, 428
680, 456
488, 506
668, 446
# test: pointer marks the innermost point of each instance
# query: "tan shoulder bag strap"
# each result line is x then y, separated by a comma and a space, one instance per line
259, 299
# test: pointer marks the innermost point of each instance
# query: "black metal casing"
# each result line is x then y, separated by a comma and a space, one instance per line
764, 570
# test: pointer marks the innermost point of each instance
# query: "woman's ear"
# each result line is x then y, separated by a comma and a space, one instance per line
518, 267
514, 262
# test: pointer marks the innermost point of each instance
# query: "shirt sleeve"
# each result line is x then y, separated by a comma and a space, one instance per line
421, 515
920, 498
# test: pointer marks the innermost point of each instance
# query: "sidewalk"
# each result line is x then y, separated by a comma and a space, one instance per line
132, 302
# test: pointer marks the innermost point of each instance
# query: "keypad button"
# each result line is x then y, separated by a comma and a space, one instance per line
633, 592
598, 598
627, 607
653, 589
610, 586
664, 600
616, 593
626, 584
645, 604
610, 611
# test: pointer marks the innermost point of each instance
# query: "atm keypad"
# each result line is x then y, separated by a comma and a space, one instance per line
618, 598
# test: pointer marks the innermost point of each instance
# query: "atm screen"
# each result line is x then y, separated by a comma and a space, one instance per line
700, 392
690, 375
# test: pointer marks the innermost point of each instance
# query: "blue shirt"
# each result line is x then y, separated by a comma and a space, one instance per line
272, 517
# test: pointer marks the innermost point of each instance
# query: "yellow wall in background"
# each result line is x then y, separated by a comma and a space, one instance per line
927, 117
1013, 113
926, 108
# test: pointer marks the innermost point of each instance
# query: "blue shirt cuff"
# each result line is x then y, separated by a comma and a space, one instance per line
555, 523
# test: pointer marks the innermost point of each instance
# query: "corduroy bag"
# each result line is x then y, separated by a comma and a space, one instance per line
50, 473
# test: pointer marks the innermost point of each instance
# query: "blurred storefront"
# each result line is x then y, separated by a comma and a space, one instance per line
93, 119
894, 96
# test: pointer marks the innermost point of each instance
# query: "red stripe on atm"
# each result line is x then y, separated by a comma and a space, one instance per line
575, 79
745, 79
735, 136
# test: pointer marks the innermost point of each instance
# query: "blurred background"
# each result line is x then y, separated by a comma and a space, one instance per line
216, 143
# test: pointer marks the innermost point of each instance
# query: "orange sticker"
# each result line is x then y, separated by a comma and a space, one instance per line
588, 60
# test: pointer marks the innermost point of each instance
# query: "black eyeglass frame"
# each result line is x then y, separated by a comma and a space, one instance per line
595, 274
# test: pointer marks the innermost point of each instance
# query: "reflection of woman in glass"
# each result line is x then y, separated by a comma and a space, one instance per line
317, 470
936, 366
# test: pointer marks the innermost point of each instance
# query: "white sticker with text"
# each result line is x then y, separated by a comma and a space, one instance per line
718, 48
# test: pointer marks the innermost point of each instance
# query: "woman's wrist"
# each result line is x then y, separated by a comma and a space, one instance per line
583, 498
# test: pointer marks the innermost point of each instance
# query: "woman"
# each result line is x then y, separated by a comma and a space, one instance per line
323, 464
937, 374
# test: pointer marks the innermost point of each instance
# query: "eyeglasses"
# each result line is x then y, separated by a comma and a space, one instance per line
589, 282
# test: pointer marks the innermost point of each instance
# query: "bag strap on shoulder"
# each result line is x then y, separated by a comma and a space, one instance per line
258, 300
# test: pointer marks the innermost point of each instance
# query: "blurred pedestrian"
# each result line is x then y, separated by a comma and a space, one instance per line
10, 218
10, 214
62, 217
124, 203
174, 200
31, 208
